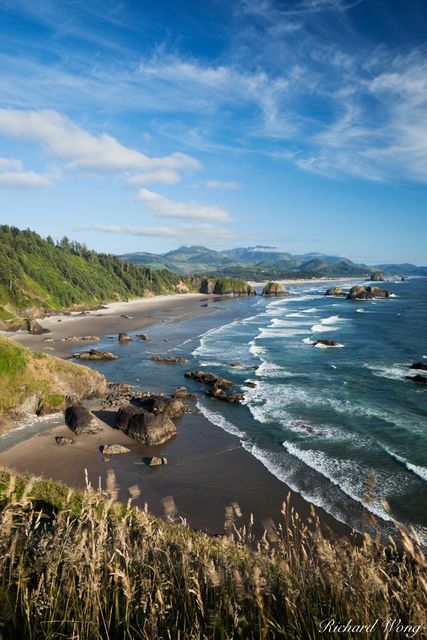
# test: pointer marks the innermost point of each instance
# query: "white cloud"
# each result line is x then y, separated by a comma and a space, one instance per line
162, 176
24, 180
165, 208
9, 164
130, 230
200, 233
65, 140
219, 184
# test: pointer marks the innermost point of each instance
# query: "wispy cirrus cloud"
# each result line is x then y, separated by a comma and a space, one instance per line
161, 176
166, 208
186, 233
222, 184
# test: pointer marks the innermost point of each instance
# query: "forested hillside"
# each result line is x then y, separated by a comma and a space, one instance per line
37, 274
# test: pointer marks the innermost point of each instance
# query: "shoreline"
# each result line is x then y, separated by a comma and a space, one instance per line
208, 468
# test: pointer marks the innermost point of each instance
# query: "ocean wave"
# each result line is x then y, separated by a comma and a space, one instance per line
320, 345
219, 420
396, 371
320, 328
256, 349
347, 477
418, 470
271, 370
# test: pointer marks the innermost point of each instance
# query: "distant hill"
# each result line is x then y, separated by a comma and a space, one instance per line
261, 263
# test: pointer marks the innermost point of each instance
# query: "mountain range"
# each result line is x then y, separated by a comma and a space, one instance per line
261, 263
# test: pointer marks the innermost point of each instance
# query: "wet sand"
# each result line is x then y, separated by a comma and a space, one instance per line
207, 471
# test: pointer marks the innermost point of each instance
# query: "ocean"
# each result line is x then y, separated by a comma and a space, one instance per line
341, 426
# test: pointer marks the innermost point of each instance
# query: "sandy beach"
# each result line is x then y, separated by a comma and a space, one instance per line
113, 318
207, 470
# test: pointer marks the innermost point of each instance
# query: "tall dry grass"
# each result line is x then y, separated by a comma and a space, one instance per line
85, 567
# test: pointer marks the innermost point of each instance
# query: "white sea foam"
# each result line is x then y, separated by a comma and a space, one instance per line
320, 345
361, 311
347, 476
219, 420
418, 470
308, 341
396, 371
320, 328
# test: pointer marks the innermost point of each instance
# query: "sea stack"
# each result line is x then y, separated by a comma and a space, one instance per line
274, 289
376, 276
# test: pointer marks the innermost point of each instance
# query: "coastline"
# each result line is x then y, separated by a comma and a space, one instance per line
208, 469
142, 312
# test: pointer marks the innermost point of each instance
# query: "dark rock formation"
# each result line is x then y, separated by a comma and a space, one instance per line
124, 415
172, 407
93, 354
358, 293
274, 289
326, 342
377, 292
80, 420
123, 338
35, 328
335, 291
418, 378
168, 360
206, 286
210, 379
419, 365
376, 276
149, 428
143, 336
182, 393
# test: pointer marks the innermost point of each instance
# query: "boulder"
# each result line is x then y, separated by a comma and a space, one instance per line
418, 378
92, 354
326, 343
168, 360
150, 428
35, 328
80, 420
251, 384
359, 293
143, 336
182, 393
173, 407
123, 338
377, 292
124, 414
154, 461
419, 365
220, 394
126, 317
113, 449
274, 289
335, 291
376, 276
62, 440
210, 379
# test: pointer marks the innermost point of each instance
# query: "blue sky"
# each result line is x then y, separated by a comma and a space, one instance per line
140, 126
